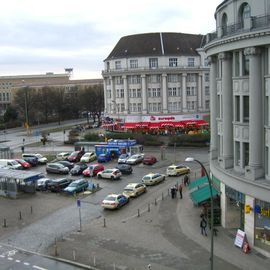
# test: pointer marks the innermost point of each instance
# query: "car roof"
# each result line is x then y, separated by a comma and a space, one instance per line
132, 184
59, 180
79, 180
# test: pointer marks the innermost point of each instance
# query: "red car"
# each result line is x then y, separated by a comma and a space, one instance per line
75, 156
93, 169
149, 160
23, 163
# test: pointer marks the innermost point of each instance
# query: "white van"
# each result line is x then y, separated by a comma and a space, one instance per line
10, 164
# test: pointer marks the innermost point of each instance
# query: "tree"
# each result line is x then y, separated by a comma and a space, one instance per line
11, 114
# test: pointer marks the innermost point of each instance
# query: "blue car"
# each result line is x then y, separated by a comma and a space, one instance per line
104, 158
76, 186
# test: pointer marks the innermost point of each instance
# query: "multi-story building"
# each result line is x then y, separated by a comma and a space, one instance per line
156, 74
10, 84
239, 54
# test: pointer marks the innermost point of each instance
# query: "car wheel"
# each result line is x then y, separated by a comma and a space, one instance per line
112, 178
99, 176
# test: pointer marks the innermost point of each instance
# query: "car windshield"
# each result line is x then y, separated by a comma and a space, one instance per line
128, 189
171, 168
73, 154
39, 156
123, 156
146, 177
110, 198
73, 184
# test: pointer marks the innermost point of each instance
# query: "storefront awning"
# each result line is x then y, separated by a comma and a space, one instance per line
129, 125
202, 194
154, 125
198, 182
202, 123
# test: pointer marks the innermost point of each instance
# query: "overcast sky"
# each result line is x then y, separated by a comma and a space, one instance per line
48, 36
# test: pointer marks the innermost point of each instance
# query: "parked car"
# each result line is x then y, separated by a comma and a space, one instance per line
56, 168
112, 174
176, 170
62, 156
10, 164
153, 179
24, 164
57, 185
75, 156
134, 189
103, 158
124, 168
149, 160
33, 161
123, 158
93, 169
78, 169
41, 159
88, 157
76, 186
42, 184
135, 159
114, 201
66, 163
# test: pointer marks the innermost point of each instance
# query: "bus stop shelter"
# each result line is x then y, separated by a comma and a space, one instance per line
14, 182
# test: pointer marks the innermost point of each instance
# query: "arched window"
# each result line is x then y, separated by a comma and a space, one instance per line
244, 13
224, 24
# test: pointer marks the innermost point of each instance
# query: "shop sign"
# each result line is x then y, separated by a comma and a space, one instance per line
262, 211
247, 209
239, 238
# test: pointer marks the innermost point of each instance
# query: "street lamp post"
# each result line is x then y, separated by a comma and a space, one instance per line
26, 107
191, 159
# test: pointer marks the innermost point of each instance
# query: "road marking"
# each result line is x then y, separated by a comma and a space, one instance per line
18, 261
26, 263
10, 258
40, 268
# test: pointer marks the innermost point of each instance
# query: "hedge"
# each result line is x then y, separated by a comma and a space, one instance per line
189, 140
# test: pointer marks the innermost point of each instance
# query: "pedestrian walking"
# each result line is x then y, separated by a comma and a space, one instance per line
203, 225
180, 191
185, 179
173, 192
22, 149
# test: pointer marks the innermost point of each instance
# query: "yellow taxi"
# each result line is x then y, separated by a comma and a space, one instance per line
176, 170
134, 189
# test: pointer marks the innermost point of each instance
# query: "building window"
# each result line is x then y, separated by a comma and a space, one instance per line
149, 92
153, 79
158, 92
134, 91
135, 79
206, 77
245, 65
172, 78
133, 63
122, 93
108, 66
118, 93
139, 107
117, 64
207, 104
139, 93
246, 108
130, 93
237, 108
188, 91
118, 80
206, 89
236, 64
153, 63
154, 92
159, 107
246, 153
4, 96
109, 93
122, 107
191, 62
191, 77
172, 62
237, 154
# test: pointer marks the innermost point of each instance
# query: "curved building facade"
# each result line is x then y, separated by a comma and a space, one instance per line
239, 54
156, 74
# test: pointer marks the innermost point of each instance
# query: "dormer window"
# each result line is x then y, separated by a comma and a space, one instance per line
117, 64
153, 63
172, 62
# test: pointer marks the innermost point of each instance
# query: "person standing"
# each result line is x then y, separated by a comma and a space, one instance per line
203, 225
180, 188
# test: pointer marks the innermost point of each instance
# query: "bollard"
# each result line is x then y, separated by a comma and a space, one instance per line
5, 223
31, 209
138, 212
55, 248
114, 266
20, 215
74, 255
97, 186
104, 222
94, 260
168, 192
162, 196
155, 201
148, 207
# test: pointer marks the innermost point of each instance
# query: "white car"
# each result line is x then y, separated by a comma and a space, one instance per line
112, 174
153, 178
135, 159
134, 189
88, 157
62, 156
41, 159
114, 201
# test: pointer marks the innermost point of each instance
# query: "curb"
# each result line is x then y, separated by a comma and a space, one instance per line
83, 266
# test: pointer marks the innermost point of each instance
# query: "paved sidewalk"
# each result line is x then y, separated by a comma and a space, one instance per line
189, 220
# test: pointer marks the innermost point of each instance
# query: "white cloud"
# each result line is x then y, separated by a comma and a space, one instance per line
53, 33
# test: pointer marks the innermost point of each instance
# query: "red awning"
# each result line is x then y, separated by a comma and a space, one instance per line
179, 124
154, 125
202, 123
142, 124
107, 125
129, 125
167, 124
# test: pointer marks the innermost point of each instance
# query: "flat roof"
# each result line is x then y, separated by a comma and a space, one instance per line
19, 174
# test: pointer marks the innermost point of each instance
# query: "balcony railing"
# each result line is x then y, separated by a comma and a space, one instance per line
256, 23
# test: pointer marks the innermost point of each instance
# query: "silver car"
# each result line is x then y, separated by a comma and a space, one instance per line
153, 179
135, 159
